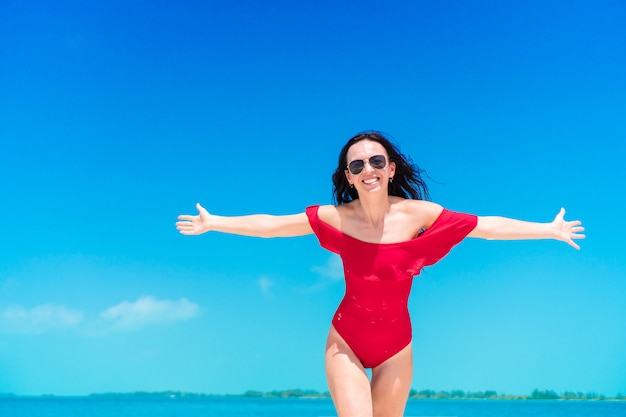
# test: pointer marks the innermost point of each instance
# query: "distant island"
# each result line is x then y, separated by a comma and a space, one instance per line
493, 395
414, 394
298, 393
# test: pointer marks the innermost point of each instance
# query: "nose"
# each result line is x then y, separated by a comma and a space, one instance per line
367, 167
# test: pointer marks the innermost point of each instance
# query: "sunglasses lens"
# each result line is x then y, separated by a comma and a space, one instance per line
356, 167
378, 161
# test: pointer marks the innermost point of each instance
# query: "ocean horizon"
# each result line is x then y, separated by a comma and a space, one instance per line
536, 394
241, 406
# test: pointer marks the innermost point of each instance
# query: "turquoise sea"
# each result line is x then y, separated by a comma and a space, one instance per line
272, 407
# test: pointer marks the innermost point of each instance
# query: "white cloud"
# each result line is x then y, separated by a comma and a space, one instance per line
266, 285
8, 284
17, 319
330, 273
148, 311
333, 268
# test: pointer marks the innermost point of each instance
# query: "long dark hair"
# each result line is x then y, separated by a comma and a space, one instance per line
407, 181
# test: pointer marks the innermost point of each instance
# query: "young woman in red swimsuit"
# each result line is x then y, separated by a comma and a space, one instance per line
385, 233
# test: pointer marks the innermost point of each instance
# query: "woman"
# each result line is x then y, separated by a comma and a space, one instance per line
385, 232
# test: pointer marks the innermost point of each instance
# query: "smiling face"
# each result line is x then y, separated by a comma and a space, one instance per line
370, 179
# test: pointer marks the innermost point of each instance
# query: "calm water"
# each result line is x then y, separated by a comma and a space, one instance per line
250, 407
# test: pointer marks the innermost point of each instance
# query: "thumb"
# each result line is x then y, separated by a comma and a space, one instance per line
199, 207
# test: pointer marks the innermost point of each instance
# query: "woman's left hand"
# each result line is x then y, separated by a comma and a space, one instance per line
567, 231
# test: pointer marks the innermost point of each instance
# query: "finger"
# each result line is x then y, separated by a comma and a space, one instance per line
573, 244
184, 225
186, 217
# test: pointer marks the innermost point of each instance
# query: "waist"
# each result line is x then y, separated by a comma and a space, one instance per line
374, 310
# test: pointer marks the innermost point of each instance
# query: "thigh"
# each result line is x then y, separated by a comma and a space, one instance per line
391, 384
347, 381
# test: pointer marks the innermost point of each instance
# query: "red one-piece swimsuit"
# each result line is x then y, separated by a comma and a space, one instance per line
373, 317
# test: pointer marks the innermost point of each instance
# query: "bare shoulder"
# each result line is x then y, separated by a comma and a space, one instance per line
421, 212
330, 215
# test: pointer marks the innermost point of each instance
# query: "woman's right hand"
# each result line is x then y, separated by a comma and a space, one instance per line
194, 225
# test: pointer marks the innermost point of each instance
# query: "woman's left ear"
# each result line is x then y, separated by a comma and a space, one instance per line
392, 170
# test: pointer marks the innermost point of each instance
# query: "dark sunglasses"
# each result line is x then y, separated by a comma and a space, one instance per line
377, 162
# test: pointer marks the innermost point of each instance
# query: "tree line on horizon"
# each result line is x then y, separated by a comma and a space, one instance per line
454, 394
493, 395
414, 394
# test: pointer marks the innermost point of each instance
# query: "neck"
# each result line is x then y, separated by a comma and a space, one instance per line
374, 208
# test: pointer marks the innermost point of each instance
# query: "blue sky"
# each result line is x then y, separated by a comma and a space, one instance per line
115, 117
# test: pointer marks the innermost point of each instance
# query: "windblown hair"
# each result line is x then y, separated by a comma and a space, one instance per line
407, 181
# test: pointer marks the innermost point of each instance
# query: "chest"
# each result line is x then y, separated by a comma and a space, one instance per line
385, 262
390, 231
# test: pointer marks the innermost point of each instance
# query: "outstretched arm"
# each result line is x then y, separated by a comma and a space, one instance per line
502, 228
259, 225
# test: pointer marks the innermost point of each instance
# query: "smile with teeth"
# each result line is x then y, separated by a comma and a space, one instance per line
370, 181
